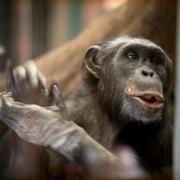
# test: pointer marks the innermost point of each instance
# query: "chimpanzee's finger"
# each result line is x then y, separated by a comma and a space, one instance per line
19, 75
31, 74
58, 100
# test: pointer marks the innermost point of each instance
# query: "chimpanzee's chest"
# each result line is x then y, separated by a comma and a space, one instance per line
137, 147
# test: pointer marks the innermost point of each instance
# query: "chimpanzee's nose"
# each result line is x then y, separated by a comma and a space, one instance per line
147, 73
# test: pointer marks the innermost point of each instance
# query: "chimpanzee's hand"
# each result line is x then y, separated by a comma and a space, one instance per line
32, 122
27, 84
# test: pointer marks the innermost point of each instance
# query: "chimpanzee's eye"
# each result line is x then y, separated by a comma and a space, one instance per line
132, 55
157, 60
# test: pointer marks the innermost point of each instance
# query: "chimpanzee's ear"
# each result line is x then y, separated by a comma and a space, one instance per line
92, 60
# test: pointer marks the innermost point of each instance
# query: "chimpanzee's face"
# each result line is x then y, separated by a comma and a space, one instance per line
133, 79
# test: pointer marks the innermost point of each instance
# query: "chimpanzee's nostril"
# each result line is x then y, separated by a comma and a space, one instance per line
144, 73
151, 74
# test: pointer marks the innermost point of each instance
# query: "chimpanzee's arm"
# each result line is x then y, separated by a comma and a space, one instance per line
46, 127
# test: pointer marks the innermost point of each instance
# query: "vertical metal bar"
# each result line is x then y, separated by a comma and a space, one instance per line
176, 159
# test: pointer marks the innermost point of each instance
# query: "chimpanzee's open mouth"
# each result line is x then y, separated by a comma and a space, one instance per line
152, 100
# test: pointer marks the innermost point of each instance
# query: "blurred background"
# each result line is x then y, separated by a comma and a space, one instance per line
30, 28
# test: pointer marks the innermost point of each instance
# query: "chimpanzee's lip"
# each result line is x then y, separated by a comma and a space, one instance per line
151, 99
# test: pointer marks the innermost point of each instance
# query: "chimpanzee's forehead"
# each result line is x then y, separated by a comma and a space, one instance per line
128, 41
114, 45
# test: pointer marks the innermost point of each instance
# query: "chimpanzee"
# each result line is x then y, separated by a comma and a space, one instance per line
116, 126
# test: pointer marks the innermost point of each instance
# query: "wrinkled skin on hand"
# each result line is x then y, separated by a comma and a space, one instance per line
28, 85
31, 122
